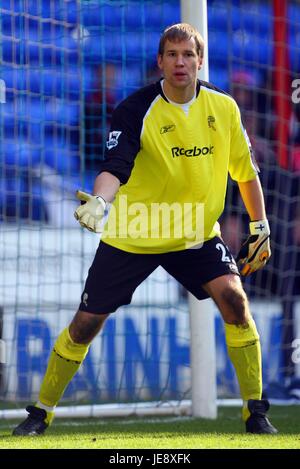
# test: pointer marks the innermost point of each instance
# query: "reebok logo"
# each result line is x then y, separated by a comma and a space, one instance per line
167, 128
196, 151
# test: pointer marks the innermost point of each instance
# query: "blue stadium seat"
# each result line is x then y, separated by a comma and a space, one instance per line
18, 154
160, 15
115, 47
10, 50
16, 25
75, 181
131, 76
249, 47
10, 25
21, 196
41, 110
134, 16
63, 11
107, 46
33, 28
143, 45
217, 17
60, 157
54, 83
152, 41
21, 52
32, 7
128, 80
171, 13
51, 82
294, 17
218, 46
58, 110
18, 122
294, 35
18, 195
16, 201
250, 16
253, 17
66, 11
34, 119
16, 6
107, 15
218, 76
294, 50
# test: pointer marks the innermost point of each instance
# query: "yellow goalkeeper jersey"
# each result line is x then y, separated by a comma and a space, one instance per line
173, 163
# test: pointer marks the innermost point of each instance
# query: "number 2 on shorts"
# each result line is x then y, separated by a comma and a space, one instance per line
221, 248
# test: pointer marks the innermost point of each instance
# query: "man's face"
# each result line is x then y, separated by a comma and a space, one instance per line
180, 63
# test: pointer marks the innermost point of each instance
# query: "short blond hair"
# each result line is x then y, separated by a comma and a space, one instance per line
181, 32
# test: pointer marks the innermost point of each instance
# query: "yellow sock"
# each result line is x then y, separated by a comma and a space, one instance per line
64, 361
244, 351
50, 413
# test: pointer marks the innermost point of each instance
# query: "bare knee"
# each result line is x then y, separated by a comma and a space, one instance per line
85, 326
235, 310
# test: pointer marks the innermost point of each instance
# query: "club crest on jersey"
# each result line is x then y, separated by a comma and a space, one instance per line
211, 122
167, 128
113, 139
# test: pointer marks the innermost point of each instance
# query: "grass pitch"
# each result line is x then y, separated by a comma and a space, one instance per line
161, 433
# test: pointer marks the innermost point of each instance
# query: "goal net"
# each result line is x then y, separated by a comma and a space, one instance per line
64, 67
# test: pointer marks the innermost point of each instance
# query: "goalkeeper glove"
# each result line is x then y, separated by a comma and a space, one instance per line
255, 252
91, 213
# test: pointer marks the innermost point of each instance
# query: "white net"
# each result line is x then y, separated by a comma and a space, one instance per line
254, 55
64, 66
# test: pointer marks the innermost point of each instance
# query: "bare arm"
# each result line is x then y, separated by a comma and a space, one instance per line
252, 195
106, 185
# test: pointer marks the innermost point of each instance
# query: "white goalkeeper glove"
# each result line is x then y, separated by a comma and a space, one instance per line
90, 214
256, 250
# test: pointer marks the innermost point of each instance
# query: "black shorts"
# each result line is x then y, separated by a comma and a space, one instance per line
115, 274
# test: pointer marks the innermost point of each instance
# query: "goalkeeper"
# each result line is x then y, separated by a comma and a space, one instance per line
171, 143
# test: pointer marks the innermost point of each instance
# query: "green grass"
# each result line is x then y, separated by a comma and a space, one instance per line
165, 432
